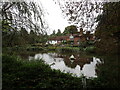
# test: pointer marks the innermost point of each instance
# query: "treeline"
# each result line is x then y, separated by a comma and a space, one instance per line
17, 19
22, 37
72, 29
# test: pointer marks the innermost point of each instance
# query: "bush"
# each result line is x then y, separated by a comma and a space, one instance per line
90, 49
18, 73
35, 48
68, 49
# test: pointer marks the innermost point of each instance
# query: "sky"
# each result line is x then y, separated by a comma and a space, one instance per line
53, 16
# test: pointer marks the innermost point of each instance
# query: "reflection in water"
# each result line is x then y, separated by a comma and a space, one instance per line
79, 66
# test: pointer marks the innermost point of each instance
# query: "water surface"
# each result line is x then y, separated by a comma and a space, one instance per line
82, 65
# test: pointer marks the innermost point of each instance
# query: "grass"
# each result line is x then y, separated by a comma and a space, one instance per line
89, 49
18, 73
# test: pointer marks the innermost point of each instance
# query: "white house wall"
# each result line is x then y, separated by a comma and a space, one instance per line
53, 42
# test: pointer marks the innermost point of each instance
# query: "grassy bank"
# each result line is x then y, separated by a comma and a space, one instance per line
19, 73
90, 49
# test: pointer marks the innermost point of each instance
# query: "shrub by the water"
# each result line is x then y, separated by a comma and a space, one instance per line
19, 73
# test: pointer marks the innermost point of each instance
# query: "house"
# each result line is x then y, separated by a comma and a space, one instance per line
58, 39
75, 39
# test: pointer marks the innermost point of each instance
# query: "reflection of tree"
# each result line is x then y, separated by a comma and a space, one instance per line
69, 63
81, 61
25, 54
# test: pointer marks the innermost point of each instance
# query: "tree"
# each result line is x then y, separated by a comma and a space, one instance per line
81, 13
20, 16
33, 37
70, 30
108, 29
53, 34
59, 33
23, 36
43, 39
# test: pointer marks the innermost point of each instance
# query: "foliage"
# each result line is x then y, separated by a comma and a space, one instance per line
53, 34
59, 33
22, 37
70, 30
108, 73
34, 49
68, 49
19, 14
90, 49
108, 29
80, 13
51, 48
17, 19
43, 39
65, 49
19, 73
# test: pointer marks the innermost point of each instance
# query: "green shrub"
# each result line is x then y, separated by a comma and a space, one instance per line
35, 48
19, 73
90, 49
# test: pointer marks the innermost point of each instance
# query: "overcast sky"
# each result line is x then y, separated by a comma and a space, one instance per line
53, 16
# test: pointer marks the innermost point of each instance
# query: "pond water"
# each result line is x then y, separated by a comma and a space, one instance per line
105, 67
81, 65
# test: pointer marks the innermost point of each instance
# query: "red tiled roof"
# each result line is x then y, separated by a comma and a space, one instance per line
59, 38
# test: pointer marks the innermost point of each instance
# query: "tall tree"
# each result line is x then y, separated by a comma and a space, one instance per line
53, 34
59, 33
109, 28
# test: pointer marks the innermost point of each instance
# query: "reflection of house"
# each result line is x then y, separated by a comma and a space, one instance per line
81, 61
74, 38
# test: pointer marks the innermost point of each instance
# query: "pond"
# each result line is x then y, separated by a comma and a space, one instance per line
80, 65
103, 68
